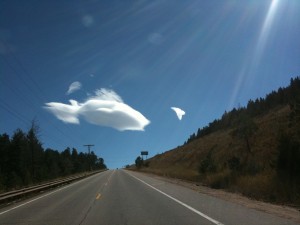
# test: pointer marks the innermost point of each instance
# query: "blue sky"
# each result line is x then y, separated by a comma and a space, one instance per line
133, 61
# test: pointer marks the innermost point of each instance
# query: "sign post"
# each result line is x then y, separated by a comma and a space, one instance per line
144, 153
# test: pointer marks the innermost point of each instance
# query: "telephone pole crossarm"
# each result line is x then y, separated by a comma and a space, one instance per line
89, 147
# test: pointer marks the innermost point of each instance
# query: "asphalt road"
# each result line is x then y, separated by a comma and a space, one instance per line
119, 197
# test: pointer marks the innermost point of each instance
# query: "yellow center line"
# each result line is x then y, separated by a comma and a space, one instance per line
98, 196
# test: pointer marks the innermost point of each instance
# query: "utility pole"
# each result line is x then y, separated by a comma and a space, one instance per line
89, 155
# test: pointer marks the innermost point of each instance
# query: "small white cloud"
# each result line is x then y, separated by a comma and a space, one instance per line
106, 108
87, 20
179, 112
155, 38
74, 87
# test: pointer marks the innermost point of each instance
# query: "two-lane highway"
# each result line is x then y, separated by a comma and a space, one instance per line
123, 197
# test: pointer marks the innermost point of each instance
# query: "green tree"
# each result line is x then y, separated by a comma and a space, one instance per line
83, 161
4, 148
139, 162
294, 119
37, 153
234, 163
75, 161
245, 129
16, 164
51, 159
23, 161
207, 165
288, 164
100, 164
66, 163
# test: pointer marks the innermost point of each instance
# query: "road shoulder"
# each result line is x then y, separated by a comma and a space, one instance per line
282, 211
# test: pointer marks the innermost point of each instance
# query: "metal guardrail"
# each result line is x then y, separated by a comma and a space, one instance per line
16, 194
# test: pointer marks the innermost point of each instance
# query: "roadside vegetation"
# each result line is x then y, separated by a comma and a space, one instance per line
24, 162
253, 150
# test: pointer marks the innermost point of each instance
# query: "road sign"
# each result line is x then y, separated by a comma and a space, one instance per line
144, 153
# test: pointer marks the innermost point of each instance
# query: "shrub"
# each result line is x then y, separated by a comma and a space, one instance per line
234, 163
260, 186
220, 180
207, 164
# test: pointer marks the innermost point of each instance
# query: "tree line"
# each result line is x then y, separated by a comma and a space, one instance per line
283, 96
24, 161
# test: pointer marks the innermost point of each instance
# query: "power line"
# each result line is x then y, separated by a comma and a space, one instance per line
20, 64
16, 91
14, 114
22, 119
29, 102
35, 92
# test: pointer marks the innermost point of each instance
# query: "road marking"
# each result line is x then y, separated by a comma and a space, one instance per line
180, 202
98, 196
109, 178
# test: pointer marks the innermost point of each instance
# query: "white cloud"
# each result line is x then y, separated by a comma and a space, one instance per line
179, 112
106, 108
155, 38
107, 94
74, 87
87, 20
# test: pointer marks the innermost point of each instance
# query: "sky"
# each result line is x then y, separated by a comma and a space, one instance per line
136, 75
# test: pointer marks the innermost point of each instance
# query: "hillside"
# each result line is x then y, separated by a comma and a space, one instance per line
251, 150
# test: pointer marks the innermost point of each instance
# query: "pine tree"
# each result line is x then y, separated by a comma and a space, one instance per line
245, 129
36, 151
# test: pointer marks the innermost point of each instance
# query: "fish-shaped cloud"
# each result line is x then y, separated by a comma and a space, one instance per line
105, 109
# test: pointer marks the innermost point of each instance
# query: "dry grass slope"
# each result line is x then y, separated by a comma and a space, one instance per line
253, 175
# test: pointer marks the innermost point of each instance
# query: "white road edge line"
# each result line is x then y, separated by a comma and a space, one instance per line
180, 202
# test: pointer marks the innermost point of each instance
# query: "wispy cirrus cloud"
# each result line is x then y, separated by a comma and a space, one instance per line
179, 112
105, 108
74, 87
